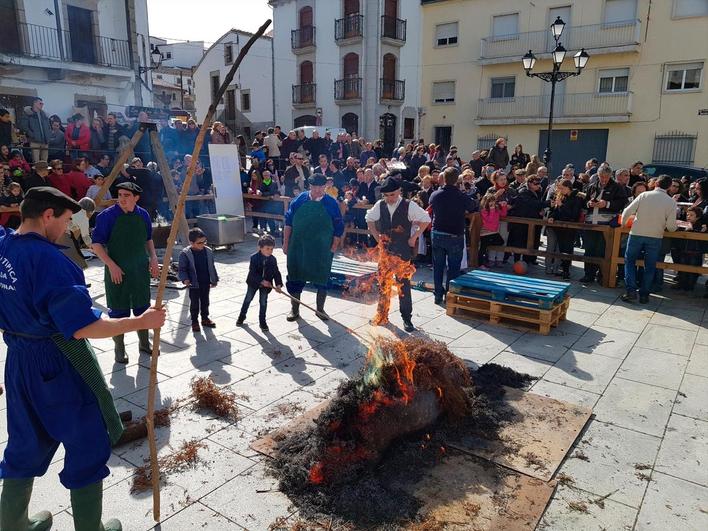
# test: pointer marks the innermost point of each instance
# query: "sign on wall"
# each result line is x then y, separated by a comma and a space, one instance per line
226, 174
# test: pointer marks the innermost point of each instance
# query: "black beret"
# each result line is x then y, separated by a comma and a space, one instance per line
131, 187
52, 196
317, 179
390, 185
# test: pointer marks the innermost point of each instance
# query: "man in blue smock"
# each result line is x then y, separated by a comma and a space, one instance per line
56, 393
313, 229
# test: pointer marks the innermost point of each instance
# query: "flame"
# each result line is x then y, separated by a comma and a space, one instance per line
317, 473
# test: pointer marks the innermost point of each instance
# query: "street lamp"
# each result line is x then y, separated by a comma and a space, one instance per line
155, 60
556, 75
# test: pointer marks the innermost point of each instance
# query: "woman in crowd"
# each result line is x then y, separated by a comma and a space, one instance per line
241, 142
290, 145
98, 139
519, 159
498, 155
5, 154
78, 136
219, 134
566, 205
533, 166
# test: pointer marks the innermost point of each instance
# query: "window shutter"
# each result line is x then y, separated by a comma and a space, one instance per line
446, 34
444, 92
690, 8
505, 25
620, 11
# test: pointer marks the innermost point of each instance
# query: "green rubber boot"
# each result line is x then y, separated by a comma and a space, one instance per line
87, 505
144, 342
119, 343
14, 501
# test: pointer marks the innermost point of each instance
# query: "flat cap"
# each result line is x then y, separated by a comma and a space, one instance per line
52, 196
131, 187
390, 185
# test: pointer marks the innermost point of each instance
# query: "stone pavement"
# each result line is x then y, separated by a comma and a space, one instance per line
641, 462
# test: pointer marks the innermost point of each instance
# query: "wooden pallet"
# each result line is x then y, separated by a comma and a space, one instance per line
517, 290
506, 314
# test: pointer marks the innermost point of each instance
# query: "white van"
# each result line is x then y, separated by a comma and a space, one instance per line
333, 131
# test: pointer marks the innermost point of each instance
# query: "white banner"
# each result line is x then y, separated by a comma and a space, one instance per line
225, 172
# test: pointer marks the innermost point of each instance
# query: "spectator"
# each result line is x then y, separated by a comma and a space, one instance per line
674, 191
339, 150
289, 145
38, 177
349, 171
337, 176
316, 146
368, 189
654, 212
533, 166
98, 140
476, 164
77, 179
272, 144
323, 167
296, 175
269, 188
484, 183
93, 190
168, 139
104, 165
449, 207
355, 148
542, 175
241, 142
622, 178
527, 204
189, 137
491, 213
19, 167
257, 152
498, 155
691, 252
57, 178
56, 141
367, 154
636, 173
519, 159
219, 134
566, 206
639, 188
8, 136
35, 124
5, 154
519, 179
605, 200
591, 167
112, 132
148, 182
13, 198
78, 136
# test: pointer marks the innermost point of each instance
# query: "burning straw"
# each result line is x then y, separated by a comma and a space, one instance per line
186, 457
209, 396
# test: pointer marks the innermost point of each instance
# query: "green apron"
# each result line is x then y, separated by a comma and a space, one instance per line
309, 249
126, 247
82, 357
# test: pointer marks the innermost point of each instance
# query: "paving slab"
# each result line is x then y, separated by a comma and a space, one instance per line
668, 340
672, 503
684, 319
589, 372
606, 341
654, 367
693, 397
576, 322
548, 348
197, 516
237, 440
534, 367
698, 364
564, 393
625, 319
637, 406
684, 450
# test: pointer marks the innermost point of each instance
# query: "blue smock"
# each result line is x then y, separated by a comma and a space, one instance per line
43, 293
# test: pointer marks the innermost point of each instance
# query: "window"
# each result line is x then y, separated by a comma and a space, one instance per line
215, 84
503, 87
620, 11
228, 54
245, 100
189, 82
168, 55
444, 92
408, 128
446, 34
158, 76
690, 8
443, 137
684, 76
675, 148
174, 96
616, 80
506, 26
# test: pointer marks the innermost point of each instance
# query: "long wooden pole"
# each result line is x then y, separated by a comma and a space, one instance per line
122, 159
179, 213
170, 189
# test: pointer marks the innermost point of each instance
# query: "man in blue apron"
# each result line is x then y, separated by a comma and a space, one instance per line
56, 393
400, 222
122, 240
313, 229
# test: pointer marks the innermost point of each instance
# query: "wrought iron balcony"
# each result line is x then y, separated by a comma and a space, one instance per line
592, 37
393, 89
43, 42
393, 28
304, 94
583, 107
347, 89
303, 38
349, 27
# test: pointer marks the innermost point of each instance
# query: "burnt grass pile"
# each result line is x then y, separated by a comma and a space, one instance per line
371, 492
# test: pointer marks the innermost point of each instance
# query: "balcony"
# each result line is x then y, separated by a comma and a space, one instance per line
303, 39
304, 95
349, 29
347, 90
393, 30
596, 38
47, 43
568, 108
392, 90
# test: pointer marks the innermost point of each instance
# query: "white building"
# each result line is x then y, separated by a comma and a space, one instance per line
247, 105
74, 54
179, 54
173, 88
348, 63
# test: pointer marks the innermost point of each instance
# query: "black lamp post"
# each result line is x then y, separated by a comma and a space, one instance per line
155, 60
558, 55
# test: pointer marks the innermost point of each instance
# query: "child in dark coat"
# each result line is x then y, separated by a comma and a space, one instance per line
263, 274
198, 273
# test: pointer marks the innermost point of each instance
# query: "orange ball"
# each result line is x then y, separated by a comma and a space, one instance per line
521, 267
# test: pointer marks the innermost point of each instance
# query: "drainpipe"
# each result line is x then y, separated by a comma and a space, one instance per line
57, 15
272, 68
132, 32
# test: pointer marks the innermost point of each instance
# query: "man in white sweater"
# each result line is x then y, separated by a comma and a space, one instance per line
654, 212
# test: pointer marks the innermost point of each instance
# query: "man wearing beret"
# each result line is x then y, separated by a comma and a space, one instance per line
56, 393
313, 229
122, 239
400, 222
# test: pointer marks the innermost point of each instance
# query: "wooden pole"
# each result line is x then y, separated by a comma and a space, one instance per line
122, 158
179, 213
170, 188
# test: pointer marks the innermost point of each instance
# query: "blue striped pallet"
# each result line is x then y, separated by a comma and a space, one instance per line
513, 289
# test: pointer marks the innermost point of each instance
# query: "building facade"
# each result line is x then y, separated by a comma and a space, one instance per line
173, 88
78, 55
248, 105
350, 64
641, 97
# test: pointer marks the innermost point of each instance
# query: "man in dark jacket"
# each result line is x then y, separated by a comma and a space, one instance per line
527, 204
449, 206
7, 131
339, 150
316, 146
605, 200
38, 177
35, 123
112, 132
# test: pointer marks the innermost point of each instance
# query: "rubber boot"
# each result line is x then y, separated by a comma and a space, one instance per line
144, 342
87, 505
121, 356
294, 314
15, 499
321, 297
